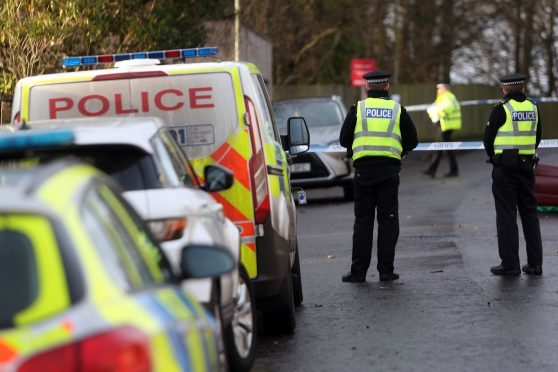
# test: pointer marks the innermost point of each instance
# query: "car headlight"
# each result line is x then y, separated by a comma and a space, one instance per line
169, 229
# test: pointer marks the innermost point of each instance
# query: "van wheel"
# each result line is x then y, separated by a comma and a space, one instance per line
282, 318
349, 191
240, 334
297, 280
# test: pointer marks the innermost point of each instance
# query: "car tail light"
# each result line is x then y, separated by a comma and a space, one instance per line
124, 349
61, 359
165, 230
258, 171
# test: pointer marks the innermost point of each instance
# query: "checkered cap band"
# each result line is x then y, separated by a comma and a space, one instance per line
376, 81
515, 82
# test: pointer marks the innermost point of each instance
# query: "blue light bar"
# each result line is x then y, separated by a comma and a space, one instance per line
160, 54
140, 55
71, 62
209, 51
189, 53
89, 60
156, 55
121, 57
30, 140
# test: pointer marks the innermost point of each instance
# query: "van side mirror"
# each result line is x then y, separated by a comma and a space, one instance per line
217, 178
199, 261
298, 136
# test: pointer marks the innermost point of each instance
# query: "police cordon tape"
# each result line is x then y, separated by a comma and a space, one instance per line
413, 108
434, 146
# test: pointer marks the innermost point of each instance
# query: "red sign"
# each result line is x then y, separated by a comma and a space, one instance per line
360, 67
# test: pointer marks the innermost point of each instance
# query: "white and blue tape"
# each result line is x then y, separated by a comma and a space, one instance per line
414, 108
434, 146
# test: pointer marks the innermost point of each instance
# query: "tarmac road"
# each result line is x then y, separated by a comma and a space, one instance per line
446, 313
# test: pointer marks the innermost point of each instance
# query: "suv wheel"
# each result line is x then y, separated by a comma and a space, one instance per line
240, 334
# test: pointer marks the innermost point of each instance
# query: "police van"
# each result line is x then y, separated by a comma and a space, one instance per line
220, 113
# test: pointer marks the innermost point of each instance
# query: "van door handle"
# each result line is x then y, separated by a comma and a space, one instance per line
274, 170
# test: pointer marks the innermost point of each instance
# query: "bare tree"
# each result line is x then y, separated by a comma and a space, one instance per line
420, 41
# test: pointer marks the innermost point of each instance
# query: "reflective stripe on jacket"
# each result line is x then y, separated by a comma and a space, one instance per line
520, 129
449, 111
377, 131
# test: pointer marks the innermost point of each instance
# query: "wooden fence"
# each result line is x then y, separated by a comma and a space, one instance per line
474, 117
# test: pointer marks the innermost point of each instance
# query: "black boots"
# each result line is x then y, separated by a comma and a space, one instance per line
350, 278
505, 271
388, 277
532, 270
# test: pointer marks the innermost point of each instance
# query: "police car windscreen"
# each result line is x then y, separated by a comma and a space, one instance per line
200, 109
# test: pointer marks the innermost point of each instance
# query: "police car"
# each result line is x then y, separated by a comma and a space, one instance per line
159, 182
84, 286
220, 113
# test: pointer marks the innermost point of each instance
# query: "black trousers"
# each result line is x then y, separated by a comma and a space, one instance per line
446, 137
514, 190
375, 192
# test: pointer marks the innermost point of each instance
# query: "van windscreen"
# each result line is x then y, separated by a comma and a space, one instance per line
199, 108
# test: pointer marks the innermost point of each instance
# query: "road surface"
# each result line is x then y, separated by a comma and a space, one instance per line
447, 312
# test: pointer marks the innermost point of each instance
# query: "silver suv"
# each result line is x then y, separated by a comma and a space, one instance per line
324, 117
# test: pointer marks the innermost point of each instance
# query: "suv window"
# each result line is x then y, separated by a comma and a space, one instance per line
18, 275
268, 126
130, 166
121, 254
170, 170
179, 160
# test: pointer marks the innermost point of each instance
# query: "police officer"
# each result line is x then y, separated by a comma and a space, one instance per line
446, 111
378, 132
511, 138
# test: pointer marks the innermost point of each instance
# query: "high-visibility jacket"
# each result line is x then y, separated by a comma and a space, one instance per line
377, 131
520, 129
449, 111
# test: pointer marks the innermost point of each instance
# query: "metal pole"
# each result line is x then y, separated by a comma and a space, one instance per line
398, 37
236, 30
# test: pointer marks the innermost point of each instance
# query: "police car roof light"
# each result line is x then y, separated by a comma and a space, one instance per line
172, 54
209, 51
30, 140
139, 55
160, 54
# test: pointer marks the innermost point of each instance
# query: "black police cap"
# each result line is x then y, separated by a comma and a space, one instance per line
513, 79
376, 77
